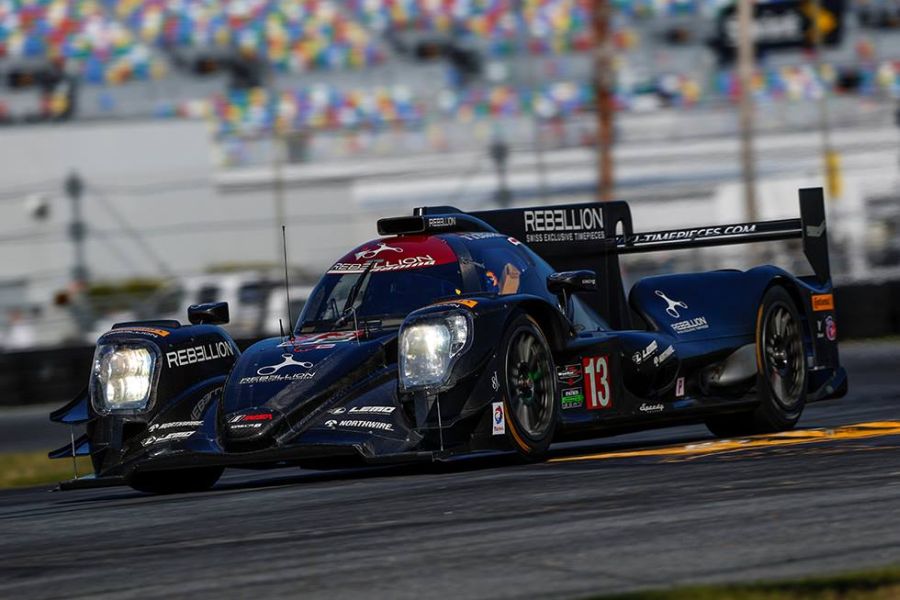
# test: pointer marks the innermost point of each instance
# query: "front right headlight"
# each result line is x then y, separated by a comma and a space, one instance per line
428, 347
122, 377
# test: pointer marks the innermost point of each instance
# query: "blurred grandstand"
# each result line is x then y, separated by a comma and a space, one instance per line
280, 93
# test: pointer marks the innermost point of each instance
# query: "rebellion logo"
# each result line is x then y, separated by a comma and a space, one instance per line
197, 354
563, 225
372, 253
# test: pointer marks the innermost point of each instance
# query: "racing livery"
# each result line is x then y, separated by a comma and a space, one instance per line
458, 333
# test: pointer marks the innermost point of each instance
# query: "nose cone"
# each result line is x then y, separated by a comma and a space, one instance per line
290, 380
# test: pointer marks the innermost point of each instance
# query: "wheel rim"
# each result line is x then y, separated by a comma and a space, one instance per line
529, 383
783, 352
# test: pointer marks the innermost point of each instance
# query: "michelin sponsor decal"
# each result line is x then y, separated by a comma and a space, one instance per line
563, 225
198, 354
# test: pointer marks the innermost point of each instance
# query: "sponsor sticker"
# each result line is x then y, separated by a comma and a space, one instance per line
320, 340
664, 356
650, 408
563, 225
151, 331
569, 374
642, 355
687, 234
359, 424
461, 302
495, 382
672, 306
174, 425
278, 378
363, 410
690, 325
287, 360
679, 387
830, 328
497, 419
166, 437
572, 398
198, 354
822, 302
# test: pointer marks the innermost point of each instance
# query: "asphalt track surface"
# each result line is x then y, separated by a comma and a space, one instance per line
649, 510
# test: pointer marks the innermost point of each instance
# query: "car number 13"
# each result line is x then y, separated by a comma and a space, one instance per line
597, 388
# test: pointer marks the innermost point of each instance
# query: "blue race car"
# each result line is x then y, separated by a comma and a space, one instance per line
458, 333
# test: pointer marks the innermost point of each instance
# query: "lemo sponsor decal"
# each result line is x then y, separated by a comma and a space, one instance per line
197, 354
363, 410
642, 355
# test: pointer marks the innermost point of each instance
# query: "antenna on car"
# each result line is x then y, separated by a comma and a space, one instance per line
287, 287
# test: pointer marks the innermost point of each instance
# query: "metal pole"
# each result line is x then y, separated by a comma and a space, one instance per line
604, 81
745, 76
829, 156
278, 140
74, 187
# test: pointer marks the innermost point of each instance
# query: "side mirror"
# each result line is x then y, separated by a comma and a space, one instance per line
569, 282
213, 313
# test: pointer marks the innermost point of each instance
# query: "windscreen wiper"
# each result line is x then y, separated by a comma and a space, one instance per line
349, 309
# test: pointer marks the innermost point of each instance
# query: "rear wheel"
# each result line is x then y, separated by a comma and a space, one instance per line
529, 388
781, 371
176, 481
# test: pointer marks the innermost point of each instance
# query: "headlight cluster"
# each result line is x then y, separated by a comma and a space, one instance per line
428, 347
122, 377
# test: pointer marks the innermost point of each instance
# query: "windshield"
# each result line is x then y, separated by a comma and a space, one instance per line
382, 281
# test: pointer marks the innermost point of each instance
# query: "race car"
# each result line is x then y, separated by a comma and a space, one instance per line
463, 333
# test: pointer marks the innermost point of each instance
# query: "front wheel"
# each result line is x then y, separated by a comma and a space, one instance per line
781, 371
177, 481
529, 388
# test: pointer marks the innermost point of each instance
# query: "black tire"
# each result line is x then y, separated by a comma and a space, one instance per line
781, 371
178, 481
528, 384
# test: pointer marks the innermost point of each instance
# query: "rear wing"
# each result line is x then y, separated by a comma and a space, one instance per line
593, 235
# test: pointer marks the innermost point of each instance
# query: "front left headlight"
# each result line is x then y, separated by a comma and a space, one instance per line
428, 348
122, 377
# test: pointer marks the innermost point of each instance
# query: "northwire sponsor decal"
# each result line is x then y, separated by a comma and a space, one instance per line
664, 356
359, 424
197, 354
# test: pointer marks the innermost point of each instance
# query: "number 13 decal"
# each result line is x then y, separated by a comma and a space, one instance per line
597, 389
